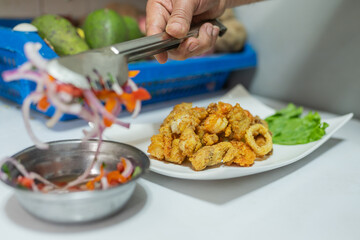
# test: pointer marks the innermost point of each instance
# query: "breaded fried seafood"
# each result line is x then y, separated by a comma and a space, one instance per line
218, 134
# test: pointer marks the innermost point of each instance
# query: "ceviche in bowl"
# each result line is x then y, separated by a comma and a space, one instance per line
65, 184
74, 180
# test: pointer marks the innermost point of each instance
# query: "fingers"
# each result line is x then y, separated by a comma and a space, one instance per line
175, 20
156, 19
180, 19
197, 46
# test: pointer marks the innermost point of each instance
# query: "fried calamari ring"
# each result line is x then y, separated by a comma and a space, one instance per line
250, 135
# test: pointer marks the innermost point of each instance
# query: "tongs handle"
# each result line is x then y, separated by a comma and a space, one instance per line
161, 42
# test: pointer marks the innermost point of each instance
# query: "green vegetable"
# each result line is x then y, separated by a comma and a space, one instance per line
5, 169
288, 128
104, 27
133, 30
137, 171
60, 34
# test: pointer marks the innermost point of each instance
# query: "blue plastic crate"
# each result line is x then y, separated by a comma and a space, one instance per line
172, 80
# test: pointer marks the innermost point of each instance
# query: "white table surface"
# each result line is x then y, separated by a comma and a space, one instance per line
317, 197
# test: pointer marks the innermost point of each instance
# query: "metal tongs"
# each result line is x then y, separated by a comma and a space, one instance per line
110, 64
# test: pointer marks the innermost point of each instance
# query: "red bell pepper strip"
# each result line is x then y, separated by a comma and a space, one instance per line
43, 104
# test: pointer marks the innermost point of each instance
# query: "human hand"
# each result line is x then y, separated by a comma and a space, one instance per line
176, 16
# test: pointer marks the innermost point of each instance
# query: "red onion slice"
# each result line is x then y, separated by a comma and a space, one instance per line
128, 169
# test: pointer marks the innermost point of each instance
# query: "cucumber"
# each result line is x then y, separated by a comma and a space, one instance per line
104, 27
60, 33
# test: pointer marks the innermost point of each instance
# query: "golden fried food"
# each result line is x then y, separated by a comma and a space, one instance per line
189, 142
209, 155
240, 154
210, 139
181, 120
240, 120
220, 108
255, 131
218, 134
176, 155
166, 134
215, 123
156, 148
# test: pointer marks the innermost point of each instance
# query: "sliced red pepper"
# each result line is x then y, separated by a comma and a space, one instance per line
115, 176
130, 99
70, 89
43, 104
120, 166
110, 105
102, 173
133, 73
24, 181
141, 94
90, 185
51, 78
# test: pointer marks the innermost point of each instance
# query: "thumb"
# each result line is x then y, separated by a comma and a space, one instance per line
179, 22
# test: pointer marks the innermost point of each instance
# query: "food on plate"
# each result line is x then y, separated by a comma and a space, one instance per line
101, 107
289, 128
218, 134
253, 140
209, 155
60, 34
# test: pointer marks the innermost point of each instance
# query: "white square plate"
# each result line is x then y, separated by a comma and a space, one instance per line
139, 136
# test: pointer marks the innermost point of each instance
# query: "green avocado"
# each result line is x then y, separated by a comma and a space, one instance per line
104, 27
60, 34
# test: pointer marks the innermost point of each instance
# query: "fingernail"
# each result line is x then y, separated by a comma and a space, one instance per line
215, 31
209, 30
193, 47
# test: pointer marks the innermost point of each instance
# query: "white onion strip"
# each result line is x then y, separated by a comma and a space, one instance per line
31, 51
137, 108
55, 118
36, 176
34, 97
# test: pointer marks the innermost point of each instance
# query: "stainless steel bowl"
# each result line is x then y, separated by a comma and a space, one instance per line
69, 158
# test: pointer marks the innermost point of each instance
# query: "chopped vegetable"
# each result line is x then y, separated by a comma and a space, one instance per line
5, 169
289, 128
100, 107
104, 180
136, 172
66, 98
25, 182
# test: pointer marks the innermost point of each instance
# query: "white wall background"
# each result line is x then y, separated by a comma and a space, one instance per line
309, 52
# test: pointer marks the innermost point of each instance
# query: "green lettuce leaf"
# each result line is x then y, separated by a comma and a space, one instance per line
289, 128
